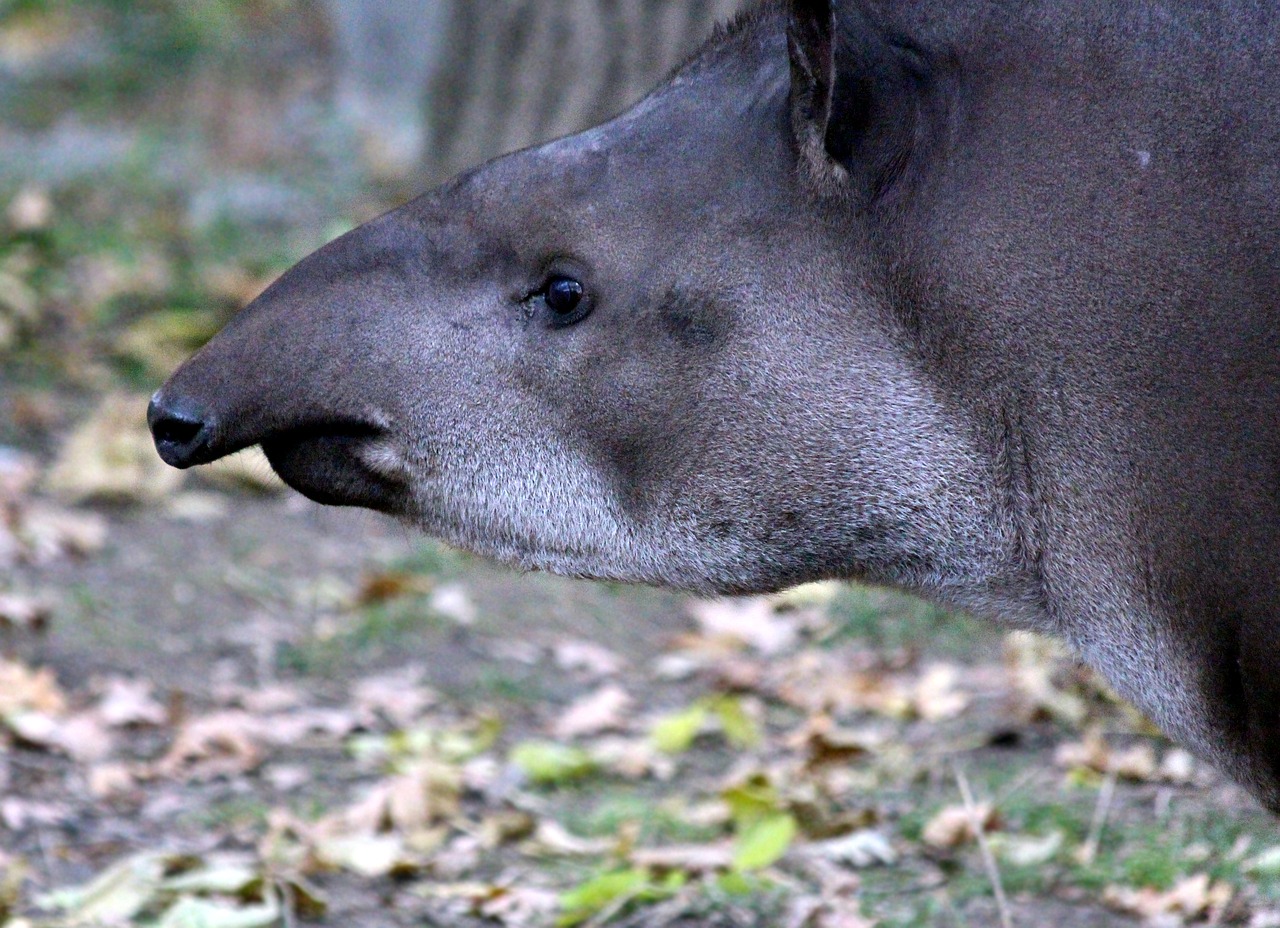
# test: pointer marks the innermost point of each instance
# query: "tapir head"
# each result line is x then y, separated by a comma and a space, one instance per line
632, 353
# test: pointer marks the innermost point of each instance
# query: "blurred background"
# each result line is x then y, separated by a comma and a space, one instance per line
221, 705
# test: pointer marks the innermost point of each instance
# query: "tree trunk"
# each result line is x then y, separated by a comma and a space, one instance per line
455, 82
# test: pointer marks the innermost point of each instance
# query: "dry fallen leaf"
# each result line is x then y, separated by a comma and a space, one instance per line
26, 690
866, 848
424, 794
1194, 897
30, 613
839, 912
1178, 767
264, 700
82, 737
222, 744
287, 777
1136, 762
400, 697
367, 855
291, 727
30, 210
38, 532
506, 826
601, 711
1090, 753
114, 897
107, 780
823, 743
834, 683
551, 838
1034, 663
521, 906
632, 758
197, 507
387, 585
453, 602
753, 622
18, 474
50, 532
1028, 850
129, 702
111, 456
954, 825
935, 696
587, 658
685, 858
18, 814
509, 906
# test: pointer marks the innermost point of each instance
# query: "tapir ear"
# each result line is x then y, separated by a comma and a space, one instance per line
856, 91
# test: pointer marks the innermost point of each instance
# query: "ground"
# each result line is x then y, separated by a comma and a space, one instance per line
324, 699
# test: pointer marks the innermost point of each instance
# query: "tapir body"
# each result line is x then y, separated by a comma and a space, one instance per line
975, 298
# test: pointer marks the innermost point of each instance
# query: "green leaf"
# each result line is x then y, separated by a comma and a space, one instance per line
738, 727
548, 763
670, 885
752, 800
763, 843
675, 734
735, 883
600, 892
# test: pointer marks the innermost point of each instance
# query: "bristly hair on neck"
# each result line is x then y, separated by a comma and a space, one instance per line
745, 19
741, 23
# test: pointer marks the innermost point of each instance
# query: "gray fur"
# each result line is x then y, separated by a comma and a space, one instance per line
976, 299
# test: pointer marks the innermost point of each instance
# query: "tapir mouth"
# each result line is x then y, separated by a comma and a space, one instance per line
351, 464
341, 461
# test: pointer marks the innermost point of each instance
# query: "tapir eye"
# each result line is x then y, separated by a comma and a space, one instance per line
564, 297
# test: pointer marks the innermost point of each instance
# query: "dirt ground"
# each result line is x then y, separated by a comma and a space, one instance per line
199, 609
268, 606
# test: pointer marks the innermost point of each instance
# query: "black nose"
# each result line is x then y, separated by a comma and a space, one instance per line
181, 432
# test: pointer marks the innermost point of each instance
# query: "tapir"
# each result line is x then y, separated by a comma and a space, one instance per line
979, 299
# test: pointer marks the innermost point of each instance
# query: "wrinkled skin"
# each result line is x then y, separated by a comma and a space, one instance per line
941, 302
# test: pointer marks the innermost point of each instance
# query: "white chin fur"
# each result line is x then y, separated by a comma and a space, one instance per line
385, 459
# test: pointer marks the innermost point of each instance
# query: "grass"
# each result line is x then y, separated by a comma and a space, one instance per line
1136, 849
495, 684
374, 631
609, 809
888, 620
238, 812
381, 627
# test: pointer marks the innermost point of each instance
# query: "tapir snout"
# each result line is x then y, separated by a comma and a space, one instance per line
976, 301
283, 375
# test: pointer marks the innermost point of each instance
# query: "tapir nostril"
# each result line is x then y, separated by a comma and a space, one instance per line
176, 431
179, 432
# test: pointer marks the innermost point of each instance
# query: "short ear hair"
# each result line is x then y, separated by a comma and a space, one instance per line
857, 94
